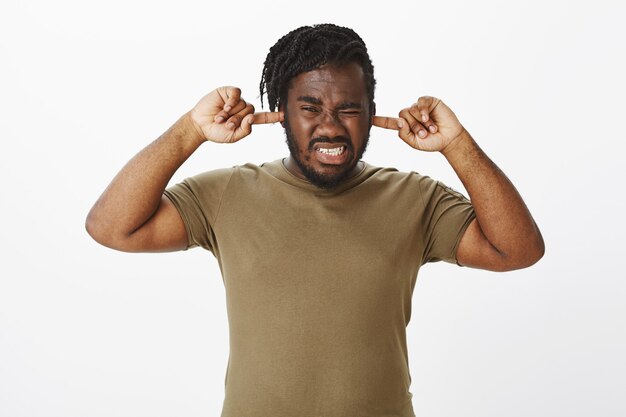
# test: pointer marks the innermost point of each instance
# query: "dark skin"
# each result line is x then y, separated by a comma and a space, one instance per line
132, 214
326, 102
329, 102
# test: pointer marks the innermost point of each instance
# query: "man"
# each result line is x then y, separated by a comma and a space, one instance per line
319, 252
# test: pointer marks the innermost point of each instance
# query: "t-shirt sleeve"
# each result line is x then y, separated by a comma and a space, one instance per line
198, 200
447, 213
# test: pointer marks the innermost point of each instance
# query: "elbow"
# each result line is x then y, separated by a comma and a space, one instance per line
526, 256
101, 232
541, 250
90, 226
538, 253
95, 229
535, 249
531, 257
106, 235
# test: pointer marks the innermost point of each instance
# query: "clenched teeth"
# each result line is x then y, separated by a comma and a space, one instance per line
333, 151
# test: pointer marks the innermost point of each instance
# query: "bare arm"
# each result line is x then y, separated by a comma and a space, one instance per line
504, 235
132, 214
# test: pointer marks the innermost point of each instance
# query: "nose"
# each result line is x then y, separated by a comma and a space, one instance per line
329, 125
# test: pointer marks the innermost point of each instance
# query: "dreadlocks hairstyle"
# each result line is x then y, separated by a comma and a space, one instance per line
307, 48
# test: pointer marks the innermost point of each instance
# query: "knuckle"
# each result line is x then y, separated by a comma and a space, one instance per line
233, 95
237, 107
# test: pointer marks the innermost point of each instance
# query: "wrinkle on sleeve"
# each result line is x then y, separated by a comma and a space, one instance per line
447, 214
198, 200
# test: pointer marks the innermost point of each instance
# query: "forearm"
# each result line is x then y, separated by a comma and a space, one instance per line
134, 195
502, 215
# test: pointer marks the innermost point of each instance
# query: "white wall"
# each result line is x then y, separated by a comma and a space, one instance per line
87, 331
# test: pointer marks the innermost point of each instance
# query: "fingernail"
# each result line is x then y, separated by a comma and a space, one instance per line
422, 133
432, 128
424, 117
219, 119
231, 125
400, 124
227, 108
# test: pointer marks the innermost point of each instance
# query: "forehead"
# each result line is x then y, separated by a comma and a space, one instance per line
330, 83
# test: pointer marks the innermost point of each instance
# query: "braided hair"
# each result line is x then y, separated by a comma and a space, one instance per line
308, 48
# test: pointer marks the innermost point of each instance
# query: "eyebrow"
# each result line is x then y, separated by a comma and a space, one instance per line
343, 106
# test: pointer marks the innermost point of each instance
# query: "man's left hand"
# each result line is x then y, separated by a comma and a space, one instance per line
428, 125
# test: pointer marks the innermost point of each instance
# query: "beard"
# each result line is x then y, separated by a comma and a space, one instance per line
321, 180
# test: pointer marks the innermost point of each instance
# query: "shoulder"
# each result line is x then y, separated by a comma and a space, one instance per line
247, 174
245, 171
409, 184
212, 176
389, 176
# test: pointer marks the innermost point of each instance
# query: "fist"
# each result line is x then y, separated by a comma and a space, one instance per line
223, 116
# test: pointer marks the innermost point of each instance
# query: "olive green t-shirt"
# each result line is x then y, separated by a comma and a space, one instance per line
319, 282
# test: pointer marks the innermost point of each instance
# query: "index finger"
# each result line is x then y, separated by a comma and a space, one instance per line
386, 122
268, 117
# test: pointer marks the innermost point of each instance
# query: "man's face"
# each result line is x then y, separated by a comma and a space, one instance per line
327, 123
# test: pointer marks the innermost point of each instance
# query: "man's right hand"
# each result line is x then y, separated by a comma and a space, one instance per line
223, 116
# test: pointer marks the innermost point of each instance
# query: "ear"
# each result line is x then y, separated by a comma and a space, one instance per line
281, 108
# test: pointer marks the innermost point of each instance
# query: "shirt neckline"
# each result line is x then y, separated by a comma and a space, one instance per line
278, 169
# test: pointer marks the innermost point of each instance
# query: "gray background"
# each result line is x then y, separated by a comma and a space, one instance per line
88, 331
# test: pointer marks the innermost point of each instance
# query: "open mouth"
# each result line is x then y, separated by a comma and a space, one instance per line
332, 151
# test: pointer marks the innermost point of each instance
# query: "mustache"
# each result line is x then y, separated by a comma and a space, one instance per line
325, 139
